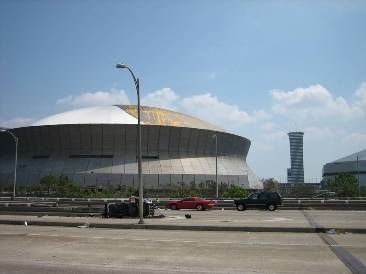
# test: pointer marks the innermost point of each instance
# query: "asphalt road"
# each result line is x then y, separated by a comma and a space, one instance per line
33, 249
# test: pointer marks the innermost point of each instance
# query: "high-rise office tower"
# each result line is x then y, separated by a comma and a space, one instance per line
295, 174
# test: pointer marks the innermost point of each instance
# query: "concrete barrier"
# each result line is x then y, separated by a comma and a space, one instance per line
78, 205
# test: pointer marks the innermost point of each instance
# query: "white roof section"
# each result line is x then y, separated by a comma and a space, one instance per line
90, 115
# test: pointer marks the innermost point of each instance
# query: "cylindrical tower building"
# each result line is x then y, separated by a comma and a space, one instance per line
295, 174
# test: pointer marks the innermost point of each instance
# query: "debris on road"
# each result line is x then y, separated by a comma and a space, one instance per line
86, 225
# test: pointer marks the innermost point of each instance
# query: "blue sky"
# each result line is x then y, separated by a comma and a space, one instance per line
255, 68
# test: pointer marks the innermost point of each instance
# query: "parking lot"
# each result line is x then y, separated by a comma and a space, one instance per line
59, 249
262, 218
34, 249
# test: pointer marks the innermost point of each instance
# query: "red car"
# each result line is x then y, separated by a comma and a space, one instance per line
190, 203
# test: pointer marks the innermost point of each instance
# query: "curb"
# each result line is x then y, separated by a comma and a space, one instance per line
57, 214
189, 227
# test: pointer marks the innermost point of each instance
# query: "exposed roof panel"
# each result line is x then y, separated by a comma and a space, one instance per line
164, 117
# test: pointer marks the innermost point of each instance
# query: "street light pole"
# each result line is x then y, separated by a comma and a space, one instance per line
139, 163
217, 183
358, 179
15, 160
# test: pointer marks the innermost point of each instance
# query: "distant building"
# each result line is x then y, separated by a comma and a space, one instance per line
354, 164
295, 174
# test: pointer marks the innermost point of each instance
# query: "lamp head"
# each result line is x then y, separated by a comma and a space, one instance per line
3, 129
121, 66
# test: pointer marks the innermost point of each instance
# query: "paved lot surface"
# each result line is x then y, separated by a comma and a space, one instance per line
34, 249
334, 218
249, 218
355, 244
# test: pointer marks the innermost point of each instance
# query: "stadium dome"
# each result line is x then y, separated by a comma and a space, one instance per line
354, 164
125, 114
97, 146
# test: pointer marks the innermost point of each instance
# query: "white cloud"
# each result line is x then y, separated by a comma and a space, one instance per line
270, 140
360, 96
16, 122
314, 133
163, 98
275, 136
208, 107
261, 146
205, 106
313, 103
98, 98
212, 75
268, 126
356, 138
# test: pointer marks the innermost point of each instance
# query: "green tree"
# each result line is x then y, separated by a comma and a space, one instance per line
234, 191
270, 185
66, 188
132, 191
344, 185
303, 191
48, 182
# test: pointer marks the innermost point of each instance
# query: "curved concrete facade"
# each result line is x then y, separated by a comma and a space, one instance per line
105, 154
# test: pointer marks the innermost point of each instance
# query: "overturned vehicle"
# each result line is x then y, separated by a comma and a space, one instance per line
130, 209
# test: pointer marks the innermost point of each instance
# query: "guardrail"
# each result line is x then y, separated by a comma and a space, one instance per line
58, 199
95, 206
311, 204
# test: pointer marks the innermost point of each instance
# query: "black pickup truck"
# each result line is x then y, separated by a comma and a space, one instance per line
265, 200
